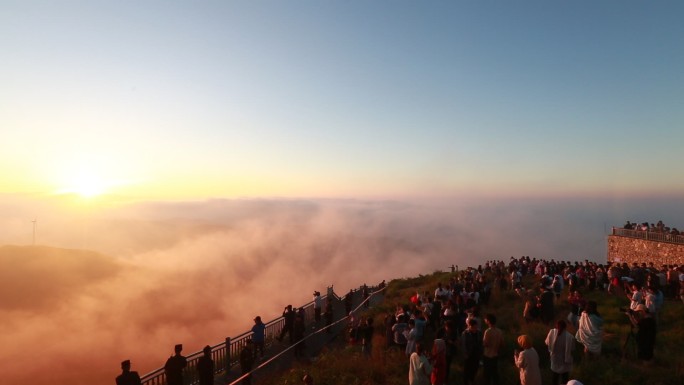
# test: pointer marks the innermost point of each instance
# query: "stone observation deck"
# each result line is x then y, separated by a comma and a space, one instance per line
637, 246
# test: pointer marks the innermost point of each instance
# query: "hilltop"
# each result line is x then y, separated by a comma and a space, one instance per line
344, 364
35, 278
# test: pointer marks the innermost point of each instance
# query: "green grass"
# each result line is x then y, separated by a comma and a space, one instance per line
345, 365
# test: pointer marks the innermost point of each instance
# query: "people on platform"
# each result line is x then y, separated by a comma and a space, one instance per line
348, 301
329, 314
246, 361
318, 307
174, 367
288, 327
127, 377
299, 331
205, 367
258, 337
460, 293
366, 333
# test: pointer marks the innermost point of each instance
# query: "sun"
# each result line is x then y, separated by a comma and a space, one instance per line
86, 185
90, 187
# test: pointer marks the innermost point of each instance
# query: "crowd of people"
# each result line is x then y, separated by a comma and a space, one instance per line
655, 228
452, 315
452, 312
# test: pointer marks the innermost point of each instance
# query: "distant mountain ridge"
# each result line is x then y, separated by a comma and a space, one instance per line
37, 278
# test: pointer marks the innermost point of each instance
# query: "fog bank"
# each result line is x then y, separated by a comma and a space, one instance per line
196, 272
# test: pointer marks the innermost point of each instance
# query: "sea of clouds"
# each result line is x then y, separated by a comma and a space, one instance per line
161, 273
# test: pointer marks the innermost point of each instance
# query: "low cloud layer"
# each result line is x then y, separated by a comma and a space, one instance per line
195, 273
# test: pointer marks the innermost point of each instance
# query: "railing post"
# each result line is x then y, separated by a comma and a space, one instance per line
228, 355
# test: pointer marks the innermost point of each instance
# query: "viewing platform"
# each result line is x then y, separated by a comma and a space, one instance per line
639, 246
649, 235
226, 354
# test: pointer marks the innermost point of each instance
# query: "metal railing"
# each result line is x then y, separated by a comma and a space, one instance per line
648, 235
344, 319
227, 353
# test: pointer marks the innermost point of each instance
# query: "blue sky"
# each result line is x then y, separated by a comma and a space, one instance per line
176, 100
537, 124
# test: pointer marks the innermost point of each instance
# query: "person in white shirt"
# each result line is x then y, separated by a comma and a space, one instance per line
636, 297
419, 367
441, 294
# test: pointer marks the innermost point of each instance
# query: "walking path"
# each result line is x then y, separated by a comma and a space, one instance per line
279, 356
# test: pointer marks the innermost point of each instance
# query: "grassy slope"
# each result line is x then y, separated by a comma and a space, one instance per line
344, 365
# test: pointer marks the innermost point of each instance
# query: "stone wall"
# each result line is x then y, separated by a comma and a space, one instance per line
629, 250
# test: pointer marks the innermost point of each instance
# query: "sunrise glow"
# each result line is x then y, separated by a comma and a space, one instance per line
86, 186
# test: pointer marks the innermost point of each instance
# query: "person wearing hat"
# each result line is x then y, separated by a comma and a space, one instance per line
258, 336
127, 377
527, 360
646, 333
174, 367
205, 367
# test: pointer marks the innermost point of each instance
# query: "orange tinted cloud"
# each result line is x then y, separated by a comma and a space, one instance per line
197, 272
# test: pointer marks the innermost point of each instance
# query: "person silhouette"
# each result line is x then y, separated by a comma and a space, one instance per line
174, 367
246, 362
258, 336
127, 377
328, 315
288, 328
205, 367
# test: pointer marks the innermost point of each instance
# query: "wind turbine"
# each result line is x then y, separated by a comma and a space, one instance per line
35, 220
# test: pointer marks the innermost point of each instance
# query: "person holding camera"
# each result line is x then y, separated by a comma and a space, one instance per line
288, 327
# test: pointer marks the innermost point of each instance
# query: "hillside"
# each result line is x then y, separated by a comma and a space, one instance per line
345, 364
37, 278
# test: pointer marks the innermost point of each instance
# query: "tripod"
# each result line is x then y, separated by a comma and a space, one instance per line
630, 341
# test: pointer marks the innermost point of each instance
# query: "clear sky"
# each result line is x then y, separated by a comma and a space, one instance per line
192, 100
